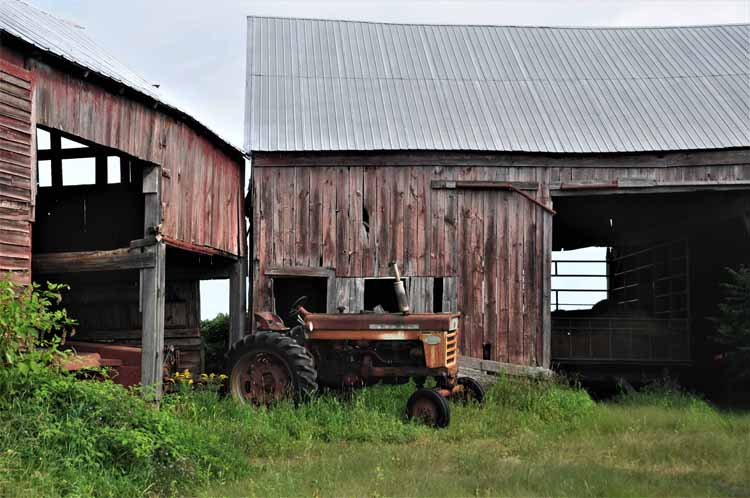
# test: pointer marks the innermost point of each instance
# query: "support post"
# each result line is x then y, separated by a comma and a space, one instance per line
153, 289
152, 341
546, 289
237, 300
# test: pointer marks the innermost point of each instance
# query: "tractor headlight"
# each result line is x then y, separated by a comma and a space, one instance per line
309, 326
454, 324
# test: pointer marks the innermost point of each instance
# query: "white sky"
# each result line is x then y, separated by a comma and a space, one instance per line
196, 49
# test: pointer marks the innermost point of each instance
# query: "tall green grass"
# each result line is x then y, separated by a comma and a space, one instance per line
62, 437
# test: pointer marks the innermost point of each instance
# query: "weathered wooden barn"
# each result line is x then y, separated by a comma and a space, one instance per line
469, 153
124, 197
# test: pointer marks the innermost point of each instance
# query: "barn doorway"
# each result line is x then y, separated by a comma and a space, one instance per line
665, 260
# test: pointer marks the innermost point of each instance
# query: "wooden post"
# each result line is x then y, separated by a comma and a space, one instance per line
237, 299
546, 310
152, 290
56, 161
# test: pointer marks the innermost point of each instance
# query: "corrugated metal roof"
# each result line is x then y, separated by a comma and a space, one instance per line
70, 42
346, 85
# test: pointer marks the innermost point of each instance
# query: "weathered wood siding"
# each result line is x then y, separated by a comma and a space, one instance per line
689, 174
202, 184
359, 219
495, 246
17, 156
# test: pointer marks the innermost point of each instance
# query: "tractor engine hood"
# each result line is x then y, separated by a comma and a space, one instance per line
435, 322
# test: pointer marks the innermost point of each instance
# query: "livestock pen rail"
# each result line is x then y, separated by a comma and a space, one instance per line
640, 310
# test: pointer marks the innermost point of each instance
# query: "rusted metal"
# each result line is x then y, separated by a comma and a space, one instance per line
265, 320
384, 321
264, 379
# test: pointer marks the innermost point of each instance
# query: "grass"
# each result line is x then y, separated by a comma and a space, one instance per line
531, 439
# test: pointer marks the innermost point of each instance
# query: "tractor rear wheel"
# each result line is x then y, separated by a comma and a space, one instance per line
472, 392
429, 407
266, 367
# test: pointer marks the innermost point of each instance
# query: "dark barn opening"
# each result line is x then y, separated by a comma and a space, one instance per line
287, 290
379, 291
665, 263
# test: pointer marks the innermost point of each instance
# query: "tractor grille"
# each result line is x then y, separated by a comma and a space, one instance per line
451, 348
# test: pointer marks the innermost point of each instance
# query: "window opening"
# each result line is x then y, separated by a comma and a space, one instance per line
287, 290
44, 173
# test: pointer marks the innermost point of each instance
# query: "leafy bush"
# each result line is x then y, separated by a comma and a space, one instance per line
94, 438
28, 318
215, 334
734, 322
32, 327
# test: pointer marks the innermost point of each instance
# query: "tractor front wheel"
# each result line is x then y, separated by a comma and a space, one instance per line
429, 407
472, 391
268, 366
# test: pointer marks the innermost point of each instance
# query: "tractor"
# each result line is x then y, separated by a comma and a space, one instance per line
345, 351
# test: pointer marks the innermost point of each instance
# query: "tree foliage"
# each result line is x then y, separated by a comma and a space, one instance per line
734, 321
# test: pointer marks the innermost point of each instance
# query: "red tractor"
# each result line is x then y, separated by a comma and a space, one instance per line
352, 350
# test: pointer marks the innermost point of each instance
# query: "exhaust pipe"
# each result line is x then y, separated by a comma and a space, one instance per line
398, 287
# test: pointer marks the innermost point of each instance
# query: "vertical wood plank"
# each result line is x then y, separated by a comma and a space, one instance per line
424, 219
302, 217
358, 234
315, 233
386, 228
450, 294
370, 202
237, 300
329, 218
411, 221
343, 222
515, 302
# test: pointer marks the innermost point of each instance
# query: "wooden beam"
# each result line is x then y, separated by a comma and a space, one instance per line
482, 185
237, 300
497, 367
299, 271
75, 153
152, 290
636, 187
85, 261
152, 339
546, 311
430, 159
101, 170
56, 160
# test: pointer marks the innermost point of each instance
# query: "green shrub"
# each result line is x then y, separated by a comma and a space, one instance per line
94, 438
734, 322
215, 334
29, 316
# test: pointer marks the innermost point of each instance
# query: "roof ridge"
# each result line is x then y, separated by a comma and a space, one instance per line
530, 26
69, 22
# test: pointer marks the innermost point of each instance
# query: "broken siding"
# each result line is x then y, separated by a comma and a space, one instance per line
17, 155
201, 184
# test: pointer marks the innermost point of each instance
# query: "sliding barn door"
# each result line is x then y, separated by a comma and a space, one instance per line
17, 172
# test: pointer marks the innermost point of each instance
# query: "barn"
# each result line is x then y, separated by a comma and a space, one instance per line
473, 155
110, 189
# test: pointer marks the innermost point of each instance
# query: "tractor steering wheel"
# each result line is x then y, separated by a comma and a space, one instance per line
293, 314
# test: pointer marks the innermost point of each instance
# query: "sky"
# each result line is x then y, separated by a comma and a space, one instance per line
195, 50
